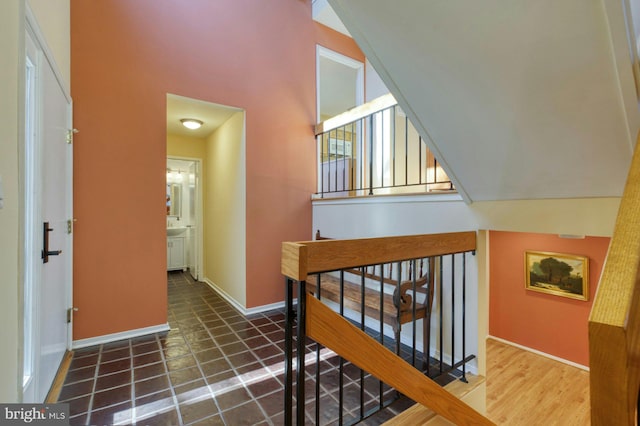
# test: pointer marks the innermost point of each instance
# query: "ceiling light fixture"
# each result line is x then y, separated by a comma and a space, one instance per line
191, 123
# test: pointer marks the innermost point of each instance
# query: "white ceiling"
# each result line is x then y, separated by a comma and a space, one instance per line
212, 115
519, 100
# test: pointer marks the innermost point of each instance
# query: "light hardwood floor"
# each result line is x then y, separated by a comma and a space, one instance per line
528, 389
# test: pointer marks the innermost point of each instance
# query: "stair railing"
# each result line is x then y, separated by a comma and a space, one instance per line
374, 149
614, 323
317, 325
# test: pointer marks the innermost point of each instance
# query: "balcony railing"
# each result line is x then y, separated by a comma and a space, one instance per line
374, 149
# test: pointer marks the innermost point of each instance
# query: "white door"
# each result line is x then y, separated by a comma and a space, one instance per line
48, 212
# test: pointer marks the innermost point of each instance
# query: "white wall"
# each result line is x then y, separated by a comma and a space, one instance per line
11, 42
437, 213
424, 214
374, 86
225, 210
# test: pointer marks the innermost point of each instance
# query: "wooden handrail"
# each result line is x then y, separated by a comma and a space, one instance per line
614, 323
334, 332
303, 258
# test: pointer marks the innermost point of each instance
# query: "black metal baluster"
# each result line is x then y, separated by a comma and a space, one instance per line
419, 159
441, 345
393, 144
289, 317
335, 159
414, 310
427, 326
464, 316
381, 326
317, 408
341, 379
362, 154
322, 136
344, 157
300, 340
381, 142
406, 150
362, 327
371, 154
399, 304
352, 156
453, 310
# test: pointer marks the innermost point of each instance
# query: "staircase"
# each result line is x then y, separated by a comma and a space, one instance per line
473, 393
320, 327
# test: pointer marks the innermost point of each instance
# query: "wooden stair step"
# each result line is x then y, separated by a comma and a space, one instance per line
420, 415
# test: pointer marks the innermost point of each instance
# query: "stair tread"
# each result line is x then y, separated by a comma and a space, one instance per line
418, 414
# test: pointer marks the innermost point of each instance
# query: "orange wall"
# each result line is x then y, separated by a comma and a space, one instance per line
126, 56
552, 324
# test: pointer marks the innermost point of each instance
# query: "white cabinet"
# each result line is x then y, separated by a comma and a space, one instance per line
175, 254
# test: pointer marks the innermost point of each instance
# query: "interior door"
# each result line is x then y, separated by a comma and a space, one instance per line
49, 252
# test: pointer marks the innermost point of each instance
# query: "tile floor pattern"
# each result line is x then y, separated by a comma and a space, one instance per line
214, 367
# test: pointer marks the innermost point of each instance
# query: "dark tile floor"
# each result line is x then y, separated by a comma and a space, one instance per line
215, 367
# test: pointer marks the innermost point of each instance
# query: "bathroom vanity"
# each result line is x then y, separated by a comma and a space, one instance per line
176, 258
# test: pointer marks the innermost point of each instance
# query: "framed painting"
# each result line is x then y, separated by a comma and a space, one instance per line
559, 274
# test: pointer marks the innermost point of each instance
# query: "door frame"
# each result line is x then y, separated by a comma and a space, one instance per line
359, 67
323, 52
199, 212
31, 171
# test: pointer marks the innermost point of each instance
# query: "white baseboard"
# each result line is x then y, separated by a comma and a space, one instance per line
537, 352
264, 308
108, 338
244, 311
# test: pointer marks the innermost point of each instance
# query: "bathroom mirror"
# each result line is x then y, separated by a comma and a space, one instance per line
174, 199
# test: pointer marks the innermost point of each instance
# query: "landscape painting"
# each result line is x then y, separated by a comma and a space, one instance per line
559, 274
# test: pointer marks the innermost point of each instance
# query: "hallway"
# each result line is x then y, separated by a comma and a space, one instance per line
214, 367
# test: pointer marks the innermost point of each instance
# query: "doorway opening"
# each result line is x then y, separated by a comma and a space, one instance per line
210, 163
340, 83
184, 215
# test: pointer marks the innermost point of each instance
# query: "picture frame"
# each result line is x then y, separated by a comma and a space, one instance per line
559, 274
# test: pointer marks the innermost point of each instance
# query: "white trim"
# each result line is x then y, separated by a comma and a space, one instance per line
346, 61
34, 28
108, 338
224, 295
233, 302
537, 352
264, 308
390, 199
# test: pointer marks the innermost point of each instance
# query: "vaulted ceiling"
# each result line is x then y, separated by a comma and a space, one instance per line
518, 99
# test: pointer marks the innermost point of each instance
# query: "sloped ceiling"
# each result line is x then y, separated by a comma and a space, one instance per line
519, 99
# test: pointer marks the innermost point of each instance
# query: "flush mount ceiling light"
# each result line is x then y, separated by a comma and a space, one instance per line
191, 123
